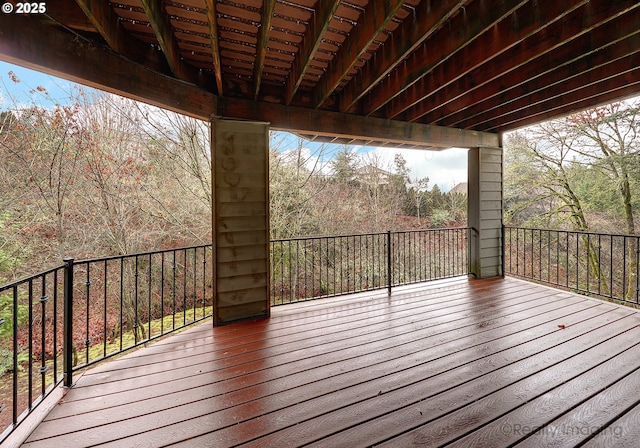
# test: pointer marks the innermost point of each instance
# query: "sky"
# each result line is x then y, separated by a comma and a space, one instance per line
445, 168
25, 92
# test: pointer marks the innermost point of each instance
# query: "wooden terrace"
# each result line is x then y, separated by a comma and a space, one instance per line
459, 362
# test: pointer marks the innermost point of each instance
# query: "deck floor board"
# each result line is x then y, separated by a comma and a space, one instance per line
460, 362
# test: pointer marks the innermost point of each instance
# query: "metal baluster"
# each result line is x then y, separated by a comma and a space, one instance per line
87, 341
43, 366
68, 323
30, 360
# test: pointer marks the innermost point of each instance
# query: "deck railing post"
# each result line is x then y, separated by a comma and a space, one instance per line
389, 275
67, 344
503, 248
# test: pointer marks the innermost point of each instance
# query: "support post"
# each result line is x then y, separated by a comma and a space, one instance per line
389, 273
240, 192
485, 212
67, 342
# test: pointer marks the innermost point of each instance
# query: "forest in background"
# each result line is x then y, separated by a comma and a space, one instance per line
103, 175
580, 172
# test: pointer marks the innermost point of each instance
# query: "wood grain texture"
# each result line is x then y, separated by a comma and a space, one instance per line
459, 362
241, 225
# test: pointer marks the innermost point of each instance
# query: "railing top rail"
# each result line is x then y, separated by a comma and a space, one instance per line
318, 237
580, 232
141, 254
24, 280
440, 229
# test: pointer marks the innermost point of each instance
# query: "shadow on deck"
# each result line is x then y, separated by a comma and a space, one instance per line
468, 363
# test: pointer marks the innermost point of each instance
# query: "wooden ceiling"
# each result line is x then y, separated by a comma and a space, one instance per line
413, 73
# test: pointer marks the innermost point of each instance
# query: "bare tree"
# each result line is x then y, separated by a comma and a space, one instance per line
296, 181
608, 137
538, 173
41, 147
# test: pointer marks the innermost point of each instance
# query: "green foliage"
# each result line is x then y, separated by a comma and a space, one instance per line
8, 261
345, 165
6, 330
441, 218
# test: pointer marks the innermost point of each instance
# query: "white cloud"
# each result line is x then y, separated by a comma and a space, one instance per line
311, 159
445, 168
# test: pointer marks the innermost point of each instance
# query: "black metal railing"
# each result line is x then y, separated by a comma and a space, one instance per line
30, 343
598, 264
82, 312
311, 268
79, 313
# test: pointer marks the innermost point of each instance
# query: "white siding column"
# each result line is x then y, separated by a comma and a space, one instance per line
240, 181
485, 212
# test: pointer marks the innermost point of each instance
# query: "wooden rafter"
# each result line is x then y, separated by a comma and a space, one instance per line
602, 50
318, 25
622, 85
456, 35
101, 15
103, 18
524, 29
261, 47
69, 13
215, 48
521, 101
466, 64
411, 34
373, 21
162, 28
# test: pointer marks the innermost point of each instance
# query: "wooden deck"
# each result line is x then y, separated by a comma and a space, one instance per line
464, 363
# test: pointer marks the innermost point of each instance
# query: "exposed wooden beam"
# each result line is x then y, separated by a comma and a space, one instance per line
104, 19
541, 30
373, 20
212, 17
319, 122
478, 19
69, 13
526, 104
603, 50
24, 41
318, 25
60, 53
261, 47
623, 85
159, 21
409, 36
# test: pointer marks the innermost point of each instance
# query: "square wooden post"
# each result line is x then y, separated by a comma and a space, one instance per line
485, 212
240, 196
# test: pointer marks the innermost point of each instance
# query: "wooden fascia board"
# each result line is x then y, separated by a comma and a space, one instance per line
24, 41
409, 36
317, 27
326, 123
372, 22
263, 41
215, 47
480, 19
